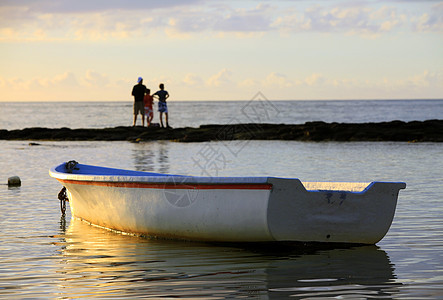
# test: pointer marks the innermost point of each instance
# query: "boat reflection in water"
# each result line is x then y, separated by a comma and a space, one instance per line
101, 263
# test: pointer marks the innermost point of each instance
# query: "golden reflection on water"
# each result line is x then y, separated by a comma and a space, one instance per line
100, 263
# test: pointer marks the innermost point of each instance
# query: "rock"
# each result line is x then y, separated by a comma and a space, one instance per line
416, 131
14, 181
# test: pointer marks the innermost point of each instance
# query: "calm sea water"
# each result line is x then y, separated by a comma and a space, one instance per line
43, 255
196, 113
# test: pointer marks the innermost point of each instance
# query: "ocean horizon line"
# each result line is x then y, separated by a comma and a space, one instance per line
244, 100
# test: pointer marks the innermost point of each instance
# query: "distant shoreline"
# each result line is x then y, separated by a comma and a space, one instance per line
399, 131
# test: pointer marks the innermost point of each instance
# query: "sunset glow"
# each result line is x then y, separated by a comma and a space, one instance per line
221, 50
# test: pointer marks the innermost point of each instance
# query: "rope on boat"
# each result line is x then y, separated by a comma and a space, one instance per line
70, 166
63, 197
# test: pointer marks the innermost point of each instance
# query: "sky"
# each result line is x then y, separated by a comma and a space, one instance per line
94, 50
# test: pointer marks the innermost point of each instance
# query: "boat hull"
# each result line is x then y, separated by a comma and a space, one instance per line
248, 209
202, 214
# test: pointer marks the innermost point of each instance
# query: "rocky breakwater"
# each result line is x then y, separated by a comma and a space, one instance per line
415, 131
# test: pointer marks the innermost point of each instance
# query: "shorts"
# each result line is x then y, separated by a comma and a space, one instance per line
149, 112
139, 107
162, 107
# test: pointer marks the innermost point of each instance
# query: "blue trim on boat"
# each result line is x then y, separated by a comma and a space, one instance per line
104, 171
95, 173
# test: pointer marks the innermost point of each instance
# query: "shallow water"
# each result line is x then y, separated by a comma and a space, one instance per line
44, 255
195, 113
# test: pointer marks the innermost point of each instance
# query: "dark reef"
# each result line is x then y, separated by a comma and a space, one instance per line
415, 131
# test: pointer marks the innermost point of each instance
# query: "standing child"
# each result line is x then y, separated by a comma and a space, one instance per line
149, 112
162, 107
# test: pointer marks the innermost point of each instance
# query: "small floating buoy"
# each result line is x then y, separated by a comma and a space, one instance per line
136, 141
14, 181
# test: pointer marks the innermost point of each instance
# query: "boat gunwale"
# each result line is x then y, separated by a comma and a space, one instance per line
141, 179
154, 178
171, 185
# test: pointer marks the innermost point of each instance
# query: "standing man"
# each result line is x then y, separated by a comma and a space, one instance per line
138, 91
162, 107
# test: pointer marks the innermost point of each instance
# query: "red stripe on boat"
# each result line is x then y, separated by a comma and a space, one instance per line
172, 185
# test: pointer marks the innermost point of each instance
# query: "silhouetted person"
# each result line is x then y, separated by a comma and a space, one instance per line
149, 112
162, 106
138, 91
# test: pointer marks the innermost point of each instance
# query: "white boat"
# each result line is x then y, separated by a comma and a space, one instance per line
229, 209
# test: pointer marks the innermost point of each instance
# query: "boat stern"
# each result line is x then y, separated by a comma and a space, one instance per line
331, 212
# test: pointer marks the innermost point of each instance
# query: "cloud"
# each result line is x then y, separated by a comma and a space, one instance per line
60, 81
93, 78
82, 20
192, 79
250, 83
432, 21
422, 85
257, 19
64, 81
114, 19
191, 20
314, 79
63, 86
277, 80
363, 20
93, 85
87, 6
388, 18
221, 78
58, 87
357, 19
319, 86
426, 79
221, 19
